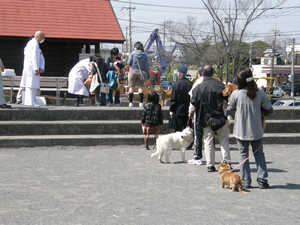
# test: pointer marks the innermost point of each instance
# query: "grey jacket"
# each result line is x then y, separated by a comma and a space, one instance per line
247, 121
139, 58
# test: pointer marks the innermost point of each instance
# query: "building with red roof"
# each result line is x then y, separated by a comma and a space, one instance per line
68, 25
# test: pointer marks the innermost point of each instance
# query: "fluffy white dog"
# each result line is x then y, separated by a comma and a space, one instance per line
177, 140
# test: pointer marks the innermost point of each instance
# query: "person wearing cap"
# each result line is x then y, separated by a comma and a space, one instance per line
2, 97
34, 65
180, 99
208, 100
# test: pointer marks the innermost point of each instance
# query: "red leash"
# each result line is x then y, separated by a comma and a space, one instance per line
241, 163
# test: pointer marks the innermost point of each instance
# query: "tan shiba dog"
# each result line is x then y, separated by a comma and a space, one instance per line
230, 179
229, 88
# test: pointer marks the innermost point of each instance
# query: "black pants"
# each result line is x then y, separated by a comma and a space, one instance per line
117, 95
100, 97
198, 134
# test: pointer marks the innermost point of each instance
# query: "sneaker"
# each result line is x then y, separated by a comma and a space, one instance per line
130, 104
117, 105
141, 105
195, 162
211, 169
108, 104
262, 183
18, 102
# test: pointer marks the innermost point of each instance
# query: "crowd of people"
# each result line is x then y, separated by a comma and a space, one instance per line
200, 105
204, 103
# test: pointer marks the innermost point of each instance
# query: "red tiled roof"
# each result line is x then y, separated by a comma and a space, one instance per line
75, 19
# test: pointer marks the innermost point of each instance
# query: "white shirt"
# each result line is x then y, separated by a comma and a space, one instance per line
196, 83
78, 74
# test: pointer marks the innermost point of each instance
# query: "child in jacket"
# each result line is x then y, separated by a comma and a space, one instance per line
152, 117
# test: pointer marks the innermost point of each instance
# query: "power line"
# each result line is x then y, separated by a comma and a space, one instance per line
198, 8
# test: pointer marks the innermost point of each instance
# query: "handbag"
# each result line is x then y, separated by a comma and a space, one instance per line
104, 88
94, 84
216, 122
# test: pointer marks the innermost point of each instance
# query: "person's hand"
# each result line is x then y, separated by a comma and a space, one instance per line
36, 72
229, 118
171, 113
42, 71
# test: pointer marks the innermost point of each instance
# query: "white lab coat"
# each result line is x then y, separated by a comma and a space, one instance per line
78, 74
33, 60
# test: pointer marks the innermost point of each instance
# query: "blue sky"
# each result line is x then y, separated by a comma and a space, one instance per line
147, 18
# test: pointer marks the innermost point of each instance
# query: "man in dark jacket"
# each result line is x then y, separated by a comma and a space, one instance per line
208, 101
180, 99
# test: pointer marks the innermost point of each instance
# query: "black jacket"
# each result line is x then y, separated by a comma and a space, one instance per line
152, 115
208, 100
180, 99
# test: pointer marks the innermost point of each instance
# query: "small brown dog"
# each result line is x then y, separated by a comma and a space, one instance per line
229, 88
230, 179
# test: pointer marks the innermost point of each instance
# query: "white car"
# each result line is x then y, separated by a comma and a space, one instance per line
287, 103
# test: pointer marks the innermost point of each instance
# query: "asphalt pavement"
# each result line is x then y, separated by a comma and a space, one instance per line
114, 185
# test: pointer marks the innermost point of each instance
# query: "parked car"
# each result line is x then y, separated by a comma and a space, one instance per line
287, 89
287, 102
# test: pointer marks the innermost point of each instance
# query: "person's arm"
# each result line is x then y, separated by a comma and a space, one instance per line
146, 66
266, 104
173, 100
191, 110
130, 60
161, 117
231, 107
143, 116
35, 54
42, 63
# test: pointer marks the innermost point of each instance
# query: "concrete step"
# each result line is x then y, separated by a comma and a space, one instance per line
81, 127
93, 140
50, 113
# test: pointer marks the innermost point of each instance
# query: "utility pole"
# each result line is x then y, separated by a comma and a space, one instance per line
164, 40
276, 32
127, 47
293, 68
130, 8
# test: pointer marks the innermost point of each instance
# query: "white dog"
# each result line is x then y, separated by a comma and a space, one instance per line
178, 140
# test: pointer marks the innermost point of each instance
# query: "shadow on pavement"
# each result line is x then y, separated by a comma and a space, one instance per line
286, 186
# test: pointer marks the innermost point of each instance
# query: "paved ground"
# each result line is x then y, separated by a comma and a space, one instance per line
123, 185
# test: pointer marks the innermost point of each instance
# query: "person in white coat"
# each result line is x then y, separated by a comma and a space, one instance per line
34, 65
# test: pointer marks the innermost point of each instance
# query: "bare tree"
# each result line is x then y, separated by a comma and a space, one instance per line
232, 18
192, 38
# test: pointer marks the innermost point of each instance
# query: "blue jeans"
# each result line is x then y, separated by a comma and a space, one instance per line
257, 148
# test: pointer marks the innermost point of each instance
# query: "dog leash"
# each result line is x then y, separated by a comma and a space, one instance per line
241, 163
